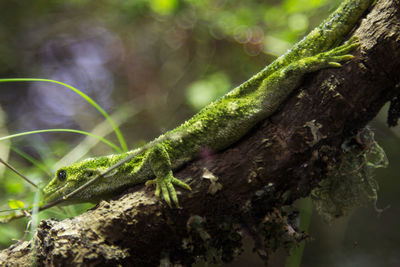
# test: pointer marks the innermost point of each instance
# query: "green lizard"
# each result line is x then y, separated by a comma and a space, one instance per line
217, 125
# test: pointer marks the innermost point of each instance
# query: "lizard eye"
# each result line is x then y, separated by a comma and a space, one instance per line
62, 175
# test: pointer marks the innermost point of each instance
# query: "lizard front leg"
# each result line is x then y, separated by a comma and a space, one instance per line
160, 164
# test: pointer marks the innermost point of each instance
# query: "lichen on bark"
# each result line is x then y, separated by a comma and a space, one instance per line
351, 182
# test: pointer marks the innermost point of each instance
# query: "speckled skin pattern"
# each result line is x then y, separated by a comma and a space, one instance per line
219, 124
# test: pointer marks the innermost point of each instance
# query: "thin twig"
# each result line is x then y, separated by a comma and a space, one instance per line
17, 172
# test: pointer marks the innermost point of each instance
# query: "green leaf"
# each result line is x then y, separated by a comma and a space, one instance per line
15, 204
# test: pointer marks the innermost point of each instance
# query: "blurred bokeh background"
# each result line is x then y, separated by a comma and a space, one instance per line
151, 65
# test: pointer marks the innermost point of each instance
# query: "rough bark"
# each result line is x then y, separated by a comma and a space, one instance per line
278, 162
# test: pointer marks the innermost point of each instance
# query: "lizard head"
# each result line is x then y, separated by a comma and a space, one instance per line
69, 178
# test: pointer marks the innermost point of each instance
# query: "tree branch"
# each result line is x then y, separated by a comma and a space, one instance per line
281, 160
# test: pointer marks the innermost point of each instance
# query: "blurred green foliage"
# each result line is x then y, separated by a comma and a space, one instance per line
202, 92
165, 59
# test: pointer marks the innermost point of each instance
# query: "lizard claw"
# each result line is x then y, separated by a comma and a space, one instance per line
333, 57
165, 187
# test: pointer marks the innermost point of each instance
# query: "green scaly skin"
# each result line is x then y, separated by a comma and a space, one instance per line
218, 125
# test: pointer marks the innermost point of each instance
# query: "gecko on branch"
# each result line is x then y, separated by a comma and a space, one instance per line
219, 124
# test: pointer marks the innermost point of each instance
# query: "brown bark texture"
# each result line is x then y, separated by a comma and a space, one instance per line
279, 161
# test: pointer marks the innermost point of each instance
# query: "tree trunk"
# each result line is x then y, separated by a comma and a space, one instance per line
279, 161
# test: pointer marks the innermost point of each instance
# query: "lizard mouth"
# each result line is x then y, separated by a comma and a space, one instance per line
51, 195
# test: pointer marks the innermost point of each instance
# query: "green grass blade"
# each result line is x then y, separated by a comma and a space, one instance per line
34, 162
84, 96
63, 130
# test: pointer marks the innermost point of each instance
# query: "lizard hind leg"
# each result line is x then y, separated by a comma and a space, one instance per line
160, 164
